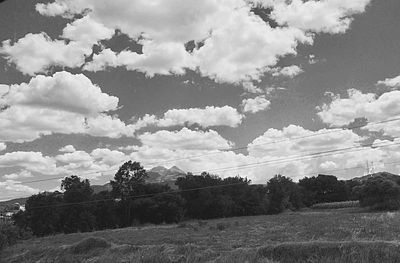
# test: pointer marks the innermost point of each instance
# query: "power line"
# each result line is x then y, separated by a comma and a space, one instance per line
167, 192
193, 189
141, 196
331, 130
301, 157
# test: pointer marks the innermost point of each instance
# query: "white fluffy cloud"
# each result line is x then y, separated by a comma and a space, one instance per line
391, 82
342, 111
257, 104
236, 45
67, 149
35, 53
290, 71
62, 103
22, 174
185, 139
11, 188
31, 161
207, 117
3, 146
329, 16
63, 91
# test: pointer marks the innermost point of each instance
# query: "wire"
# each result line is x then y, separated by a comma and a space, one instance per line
140, 196
335, 130
167, 192
316, 172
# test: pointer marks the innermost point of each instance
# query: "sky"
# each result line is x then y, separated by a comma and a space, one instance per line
234, 87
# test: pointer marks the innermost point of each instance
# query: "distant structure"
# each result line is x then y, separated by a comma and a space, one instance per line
370, 168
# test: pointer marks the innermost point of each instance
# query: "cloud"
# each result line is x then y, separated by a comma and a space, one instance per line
22, 174
35, 53
63, 91
391, 82
289, 143
185, 139
62, 103
328, 16
290, 71
231, 43
206, 117
342, 111
67, 149
30, 161
15, 188
250, 87
255, 105
3, 146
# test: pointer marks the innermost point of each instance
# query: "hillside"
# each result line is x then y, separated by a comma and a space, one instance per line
390, 176
344, 236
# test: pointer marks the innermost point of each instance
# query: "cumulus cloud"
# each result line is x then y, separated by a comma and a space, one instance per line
206, 117
255, 105
22, 174
391, 82
342, 111
220, 52
31, 161
185, 139
35, 53
290, 71
328, 16
67, 149
11, 187
64, 91
3, 146
62, 103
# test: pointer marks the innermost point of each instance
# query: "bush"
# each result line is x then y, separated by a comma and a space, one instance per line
87, 244
379, 193
10, 234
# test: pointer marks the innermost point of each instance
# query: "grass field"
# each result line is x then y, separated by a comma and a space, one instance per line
340, 235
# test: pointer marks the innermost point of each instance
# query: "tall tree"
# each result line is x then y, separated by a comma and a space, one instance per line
77, 212
128, 181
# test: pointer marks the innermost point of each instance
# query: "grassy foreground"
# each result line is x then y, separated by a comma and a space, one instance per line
342, 235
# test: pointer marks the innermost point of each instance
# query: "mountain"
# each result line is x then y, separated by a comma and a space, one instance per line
390, 176
10, 203
101, 188
160, 174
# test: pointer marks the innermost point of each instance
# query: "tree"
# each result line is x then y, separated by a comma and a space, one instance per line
43, 214
128, 181
379, 193
283, 194
323, 189
77, 212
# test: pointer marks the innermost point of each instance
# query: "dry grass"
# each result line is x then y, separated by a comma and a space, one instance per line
346, 235
337, 205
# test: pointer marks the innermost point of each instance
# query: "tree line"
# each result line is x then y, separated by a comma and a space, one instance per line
133, 201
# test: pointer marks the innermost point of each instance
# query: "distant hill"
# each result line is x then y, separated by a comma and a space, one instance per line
160, 174
101, 188
386, 175
8, 203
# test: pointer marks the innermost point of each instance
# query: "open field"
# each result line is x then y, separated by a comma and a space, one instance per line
342, 235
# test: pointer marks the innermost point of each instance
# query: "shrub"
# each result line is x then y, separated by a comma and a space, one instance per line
88, 244
10, 234
380, 193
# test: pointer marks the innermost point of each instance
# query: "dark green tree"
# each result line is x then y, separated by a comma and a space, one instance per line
78, 210
379, 193
128, 181
283, 194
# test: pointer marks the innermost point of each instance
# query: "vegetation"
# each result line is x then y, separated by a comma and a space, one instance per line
133, 202
349, 235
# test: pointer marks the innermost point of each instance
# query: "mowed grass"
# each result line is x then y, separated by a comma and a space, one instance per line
342, 235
